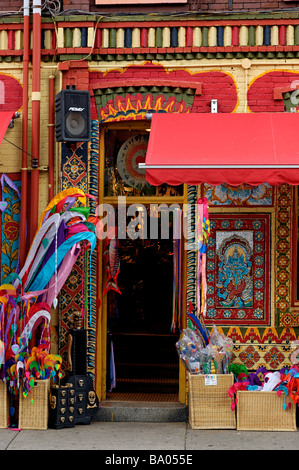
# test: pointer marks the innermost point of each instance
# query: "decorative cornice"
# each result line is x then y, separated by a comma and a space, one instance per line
167, 39
192, 88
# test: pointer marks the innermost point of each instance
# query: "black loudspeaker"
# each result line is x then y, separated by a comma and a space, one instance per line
72, 109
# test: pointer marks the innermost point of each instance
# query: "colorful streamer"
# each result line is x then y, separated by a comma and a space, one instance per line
203, 234
177, 271
26, 298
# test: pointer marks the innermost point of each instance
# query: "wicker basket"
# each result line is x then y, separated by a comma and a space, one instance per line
210, 405
34, 415
263, 411
4, 406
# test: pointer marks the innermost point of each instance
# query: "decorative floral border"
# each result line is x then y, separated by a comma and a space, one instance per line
10, 227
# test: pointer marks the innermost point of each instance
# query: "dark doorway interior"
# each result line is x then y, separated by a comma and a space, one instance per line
145, 362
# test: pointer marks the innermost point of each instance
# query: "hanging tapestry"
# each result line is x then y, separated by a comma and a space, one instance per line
73, 173
74, 165
10, 211
238, 288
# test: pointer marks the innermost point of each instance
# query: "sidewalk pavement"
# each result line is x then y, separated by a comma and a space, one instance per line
138, 436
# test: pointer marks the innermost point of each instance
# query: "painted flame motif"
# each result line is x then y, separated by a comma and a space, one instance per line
137, 107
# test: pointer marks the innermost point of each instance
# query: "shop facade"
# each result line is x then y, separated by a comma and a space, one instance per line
134, 67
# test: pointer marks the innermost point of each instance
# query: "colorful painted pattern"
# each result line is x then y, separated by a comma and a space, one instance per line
170, 38
191, 253
241, 196
129, 107
81, 171
74, 166
93, 182
74, 173
284, 266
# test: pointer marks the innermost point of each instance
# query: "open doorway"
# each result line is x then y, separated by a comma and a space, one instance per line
143, 363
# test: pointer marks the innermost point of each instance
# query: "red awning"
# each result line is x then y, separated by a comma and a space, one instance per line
5, 118
223, 148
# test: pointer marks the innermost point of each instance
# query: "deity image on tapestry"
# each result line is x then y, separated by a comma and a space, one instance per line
238, 290
235, 283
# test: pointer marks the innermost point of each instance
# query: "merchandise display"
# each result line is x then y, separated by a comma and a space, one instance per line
201, 358
284, 381
65, 232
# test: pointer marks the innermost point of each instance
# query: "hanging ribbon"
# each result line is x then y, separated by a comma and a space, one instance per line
26, 298
177, 270
203, 234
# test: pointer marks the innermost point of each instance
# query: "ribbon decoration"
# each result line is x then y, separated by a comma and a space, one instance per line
203, 234
26, 298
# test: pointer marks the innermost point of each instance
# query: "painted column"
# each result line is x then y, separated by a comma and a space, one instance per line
24, 165
36, 97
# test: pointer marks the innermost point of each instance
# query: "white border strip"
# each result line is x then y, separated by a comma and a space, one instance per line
144, 166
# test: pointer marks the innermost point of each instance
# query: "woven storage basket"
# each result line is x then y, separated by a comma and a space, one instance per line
4, 406
210, 405
34, 415
263, 411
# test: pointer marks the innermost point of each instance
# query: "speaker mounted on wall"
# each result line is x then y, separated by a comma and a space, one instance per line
72, 109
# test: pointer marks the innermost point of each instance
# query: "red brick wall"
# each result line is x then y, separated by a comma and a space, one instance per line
10, 5
192, 5
246, 5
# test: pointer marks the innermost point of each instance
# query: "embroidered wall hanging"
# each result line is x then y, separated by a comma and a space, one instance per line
238, 288
80, 170
10, 224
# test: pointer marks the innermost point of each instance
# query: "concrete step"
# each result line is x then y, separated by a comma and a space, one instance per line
147, 412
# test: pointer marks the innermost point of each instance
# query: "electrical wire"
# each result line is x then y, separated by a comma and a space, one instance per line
54, 7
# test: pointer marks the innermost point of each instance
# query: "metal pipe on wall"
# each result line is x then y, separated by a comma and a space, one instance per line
36, 98
23, 221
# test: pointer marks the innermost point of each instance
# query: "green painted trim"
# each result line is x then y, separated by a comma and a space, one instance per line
156, 17
189, 56
192, 16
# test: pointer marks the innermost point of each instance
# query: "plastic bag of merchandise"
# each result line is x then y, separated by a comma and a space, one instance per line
211, 360
224, 346
188, 348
